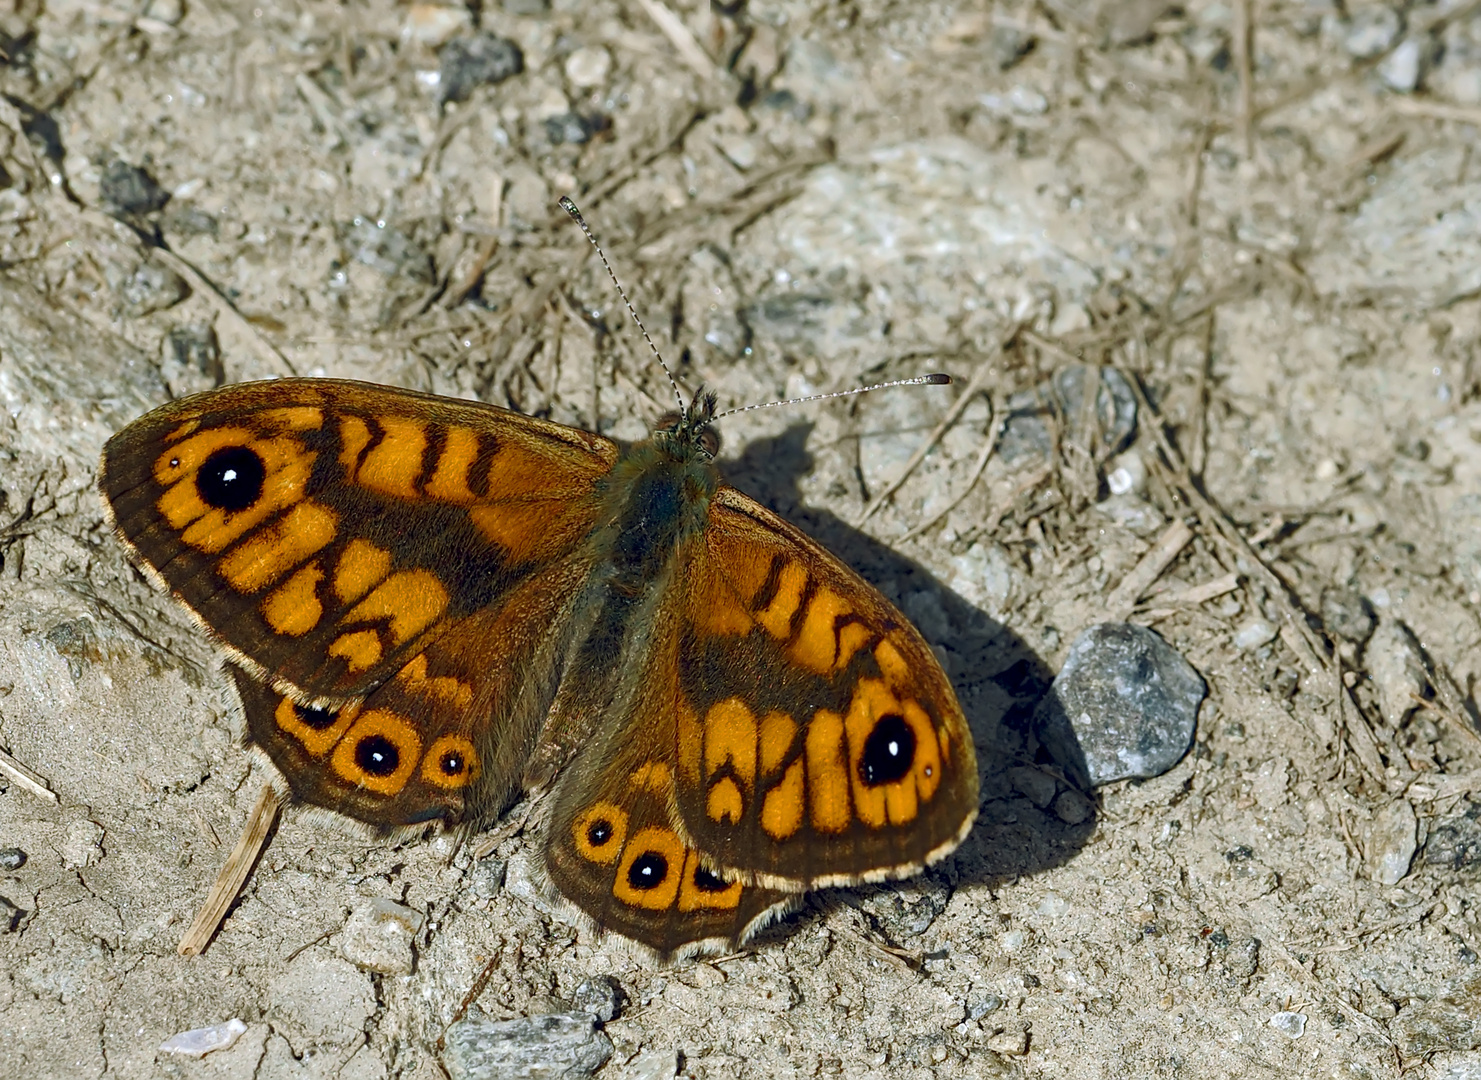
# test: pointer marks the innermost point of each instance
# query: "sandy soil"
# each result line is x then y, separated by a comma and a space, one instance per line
1277, 246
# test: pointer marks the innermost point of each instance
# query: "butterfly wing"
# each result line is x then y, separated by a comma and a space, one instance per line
816, 739
612, 850
448, 736
326, 532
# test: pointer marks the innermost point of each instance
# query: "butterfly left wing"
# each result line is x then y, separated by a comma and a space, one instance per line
611, 849
324, 531
816, 740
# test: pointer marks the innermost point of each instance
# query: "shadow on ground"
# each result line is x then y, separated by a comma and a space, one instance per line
998, 679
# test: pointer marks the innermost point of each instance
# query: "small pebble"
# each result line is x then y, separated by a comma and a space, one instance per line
1026, 432
433, 25
385, 248
600, 995
565, 1045
467, 63
1290, 1024
589, 67
150, 287
12, 858
1395, 663
198, 1042
979, 1003
572, 128
379, 935
83, 845
1405, 68
129, 189
1126, 699
169, 12
1346, 614
1073, 808
1254, 633
1392, 839
1126, 473
1037, 787
908, 910
10, 915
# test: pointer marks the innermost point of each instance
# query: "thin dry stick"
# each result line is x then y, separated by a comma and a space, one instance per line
207, 289
977, 382
683, 41
1149, 568
23, 777
996, 422
233, 874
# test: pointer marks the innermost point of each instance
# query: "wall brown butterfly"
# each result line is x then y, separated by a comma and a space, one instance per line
430, 606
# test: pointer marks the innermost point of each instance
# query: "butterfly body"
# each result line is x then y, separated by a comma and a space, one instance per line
429, 606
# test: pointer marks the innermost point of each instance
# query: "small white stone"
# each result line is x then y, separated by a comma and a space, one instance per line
1254, 633
1290, 1024
589, 67
198, 1042
434, 24
378, 937
1126, 473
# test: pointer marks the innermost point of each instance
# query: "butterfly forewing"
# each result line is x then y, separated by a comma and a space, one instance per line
326, 531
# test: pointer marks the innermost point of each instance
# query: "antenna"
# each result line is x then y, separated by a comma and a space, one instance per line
569, 207
935, 379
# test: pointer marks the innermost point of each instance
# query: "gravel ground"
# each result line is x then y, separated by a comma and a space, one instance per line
1265, 216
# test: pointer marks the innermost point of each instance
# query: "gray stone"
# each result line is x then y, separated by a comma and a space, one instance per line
1027, 434
147, 287
378, 936
129, 189
1124, 705
476, 60
907, 910
561, 1046
1393, 838
1451, 1020
12, 858
1395, 663
1290, 1024
1346, 614
10, 915
1406, 67
600, 995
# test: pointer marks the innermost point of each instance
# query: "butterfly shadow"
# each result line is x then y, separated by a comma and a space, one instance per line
1037, 808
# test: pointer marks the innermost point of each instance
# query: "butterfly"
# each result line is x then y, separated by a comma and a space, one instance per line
430, 606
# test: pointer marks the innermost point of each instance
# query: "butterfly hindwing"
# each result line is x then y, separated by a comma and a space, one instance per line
325, 531
817, 740
447, 738
613, 851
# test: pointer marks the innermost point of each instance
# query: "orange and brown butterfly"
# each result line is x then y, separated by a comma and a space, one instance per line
430, 606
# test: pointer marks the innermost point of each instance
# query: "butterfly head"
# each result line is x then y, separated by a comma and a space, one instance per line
691, 433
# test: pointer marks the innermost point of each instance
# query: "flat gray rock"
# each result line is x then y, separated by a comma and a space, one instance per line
1128, 699
560, 1046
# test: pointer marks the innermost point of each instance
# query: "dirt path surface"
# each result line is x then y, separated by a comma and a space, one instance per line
1265, 215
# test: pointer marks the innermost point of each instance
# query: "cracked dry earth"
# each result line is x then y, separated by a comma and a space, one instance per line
1266, 215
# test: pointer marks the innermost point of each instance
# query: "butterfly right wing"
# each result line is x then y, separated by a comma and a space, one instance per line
448, 737
326, 531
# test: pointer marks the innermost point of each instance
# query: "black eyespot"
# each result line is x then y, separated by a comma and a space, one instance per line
377, 755
452, 764
599, 832
231, 478
705, 881
317, 719
888, 752
648, 871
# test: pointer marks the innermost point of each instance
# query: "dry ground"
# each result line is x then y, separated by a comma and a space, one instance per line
1278, 249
